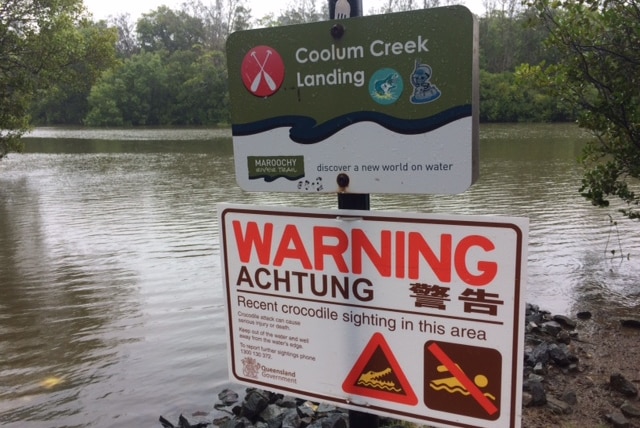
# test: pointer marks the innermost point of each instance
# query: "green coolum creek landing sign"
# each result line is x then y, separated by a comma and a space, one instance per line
378, 104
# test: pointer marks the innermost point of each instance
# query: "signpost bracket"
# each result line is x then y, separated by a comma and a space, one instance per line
354, 201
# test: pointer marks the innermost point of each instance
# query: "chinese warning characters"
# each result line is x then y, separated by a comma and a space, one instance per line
436, 296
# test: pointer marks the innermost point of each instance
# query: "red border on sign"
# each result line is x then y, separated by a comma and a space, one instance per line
350, 383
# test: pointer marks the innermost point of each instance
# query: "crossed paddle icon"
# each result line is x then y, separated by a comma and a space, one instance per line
255, 84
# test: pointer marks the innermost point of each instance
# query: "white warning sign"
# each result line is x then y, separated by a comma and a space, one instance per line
378, 311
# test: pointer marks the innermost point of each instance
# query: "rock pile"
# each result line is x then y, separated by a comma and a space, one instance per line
548, 345
263, 409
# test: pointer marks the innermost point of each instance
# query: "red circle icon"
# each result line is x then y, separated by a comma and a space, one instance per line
262, 71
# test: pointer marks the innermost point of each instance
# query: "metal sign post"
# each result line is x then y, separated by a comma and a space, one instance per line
354, 201
340, 9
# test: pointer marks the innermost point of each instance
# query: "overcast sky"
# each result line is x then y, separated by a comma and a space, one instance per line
102, 9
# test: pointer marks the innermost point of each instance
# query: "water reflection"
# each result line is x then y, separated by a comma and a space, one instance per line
110, 270
56, 306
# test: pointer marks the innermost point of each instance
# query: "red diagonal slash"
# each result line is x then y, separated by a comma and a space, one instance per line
463, 379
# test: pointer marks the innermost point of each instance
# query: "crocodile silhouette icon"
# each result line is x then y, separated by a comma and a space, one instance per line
372, 378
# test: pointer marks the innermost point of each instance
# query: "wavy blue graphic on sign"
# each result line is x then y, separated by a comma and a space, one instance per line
305, 130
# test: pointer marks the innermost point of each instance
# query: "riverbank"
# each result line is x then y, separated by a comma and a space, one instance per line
598, 385
581, 371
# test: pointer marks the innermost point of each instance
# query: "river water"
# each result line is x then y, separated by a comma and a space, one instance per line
111, 308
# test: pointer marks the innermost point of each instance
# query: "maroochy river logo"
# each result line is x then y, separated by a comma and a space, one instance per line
262, 71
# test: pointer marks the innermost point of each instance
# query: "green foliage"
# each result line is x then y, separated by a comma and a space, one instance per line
169, 30
154, 88
134, 94
177, 76
65, 101
103, 102
599, 71
38, 41
202, 97
168, 68
515, 97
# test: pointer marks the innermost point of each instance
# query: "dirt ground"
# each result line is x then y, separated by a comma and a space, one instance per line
604, 347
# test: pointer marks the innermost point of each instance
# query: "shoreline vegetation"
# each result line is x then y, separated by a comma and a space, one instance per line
168, 67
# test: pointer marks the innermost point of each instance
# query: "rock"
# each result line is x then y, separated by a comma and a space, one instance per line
564, 337
559, 355
165, 423
263, 409
584, 315
326, 408
272, 412
291, 419
287, 402
565, 321
535, 377
531, 308
220, 422
552, 327
228, 397
537, 392
619, 384
558, 407
335, 420
534, 315
630, 410
570, 398
630, 323
238, 423
532, 327
306, 412
182, 423
254, 403
618, 420
539, 354
539, 369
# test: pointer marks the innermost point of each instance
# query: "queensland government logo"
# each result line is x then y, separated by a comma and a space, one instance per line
250, 367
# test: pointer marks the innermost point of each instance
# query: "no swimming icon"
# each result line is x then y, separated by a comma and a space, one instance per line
462, 379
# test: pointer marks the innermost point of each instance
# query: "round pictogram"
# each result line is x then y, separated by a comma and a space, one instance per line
386, 86
262, 71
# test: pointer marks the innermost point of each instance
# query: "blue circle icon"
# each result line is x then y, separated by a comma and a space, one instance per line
386, 86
